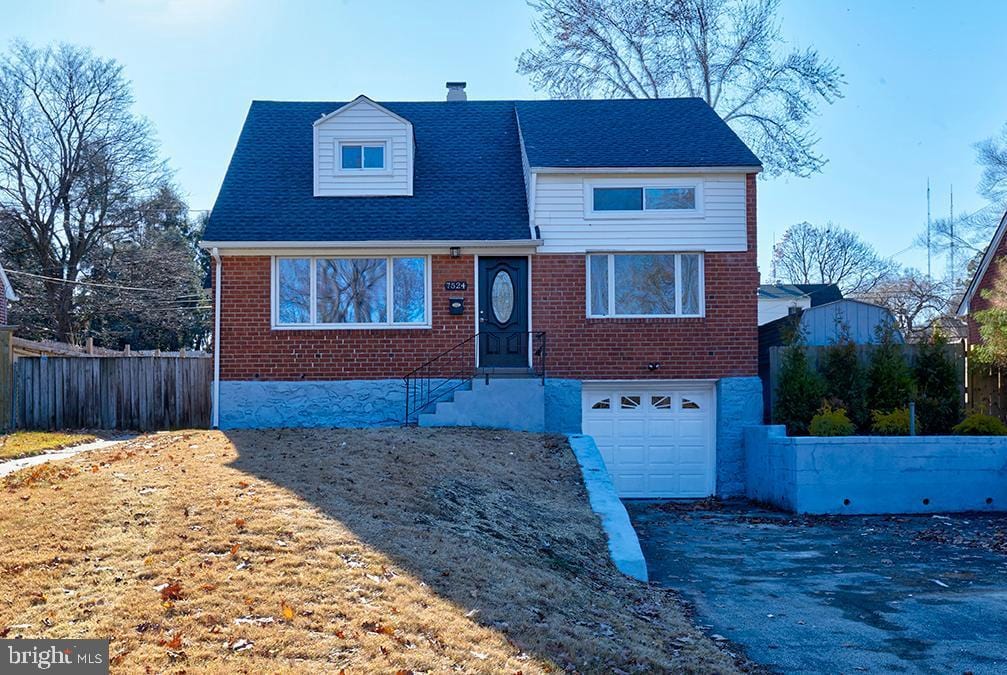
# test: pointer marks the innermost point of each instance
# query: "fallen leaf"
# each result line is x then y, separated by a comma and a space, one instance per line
171, 591
234, 550
288, 611
239, 523
242, 484
174, 643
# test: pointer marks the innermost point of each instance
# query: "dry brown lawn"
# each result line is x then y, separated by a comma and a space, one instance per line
28, 443
326, 551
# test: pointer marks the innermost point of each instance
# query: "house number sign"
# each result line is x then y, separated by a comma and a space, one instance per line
456, 285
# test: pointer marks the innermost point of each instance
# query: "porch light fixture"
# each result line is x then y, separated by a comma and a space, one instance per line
456, 252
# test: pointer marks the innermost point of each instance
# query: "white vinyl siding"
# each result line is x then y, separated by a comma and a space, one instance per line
567, 224
363, 123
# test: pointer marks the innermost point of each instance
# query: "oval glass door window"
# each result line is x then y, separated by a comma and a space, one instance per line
502, 293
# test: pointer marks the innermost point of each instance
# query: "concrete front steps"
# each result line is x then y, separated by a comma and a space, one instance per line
515, 403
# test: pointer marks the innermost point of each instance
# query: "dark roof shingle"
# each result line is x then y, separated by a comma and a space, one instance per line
468, 176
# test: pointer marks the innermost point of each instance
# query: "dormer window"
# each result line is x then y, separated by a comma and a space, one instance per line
362, 156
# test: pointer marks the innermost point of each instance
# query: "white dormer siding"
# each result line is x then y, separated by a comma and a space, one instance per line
363, 122
568, 224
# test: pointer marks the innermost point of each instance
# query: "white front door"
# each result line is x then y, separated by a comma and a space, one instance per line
658, 439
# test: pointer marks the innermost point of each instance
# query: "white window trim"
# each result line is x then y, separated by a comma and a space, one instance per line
274, 295
678, 285
643, 183
384, 171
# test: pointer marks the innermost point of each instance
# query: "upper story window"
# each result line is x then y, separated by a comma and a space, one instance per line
628, 199
352, 292
645, 285
362, 156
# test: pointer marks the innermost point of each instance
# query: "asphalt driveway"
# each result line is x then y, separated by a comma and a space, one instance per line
854, 594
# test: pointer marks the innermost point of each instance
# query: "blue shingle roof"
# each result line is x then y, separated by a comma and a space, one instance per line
673, 132
468, 179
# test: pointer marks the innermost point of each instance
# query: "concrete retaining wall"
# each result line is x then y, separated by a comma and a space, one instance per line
623, 544
876, 474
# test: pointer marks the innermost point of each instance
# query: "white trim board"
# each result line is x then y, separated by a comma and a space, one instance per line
646, 169
984, 264
264, 247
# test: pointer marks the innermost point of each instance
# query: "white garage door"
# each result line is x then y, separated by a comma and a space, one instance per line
657, 440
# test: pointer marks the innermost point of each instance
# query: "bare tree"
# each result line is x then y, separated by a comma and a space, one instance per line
915, 301
74, 163
809, 254
730, 53
992, 156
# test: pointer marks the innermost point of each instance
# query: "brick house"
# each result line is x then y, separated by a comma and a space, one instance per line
8, 296
991, 268
565, 266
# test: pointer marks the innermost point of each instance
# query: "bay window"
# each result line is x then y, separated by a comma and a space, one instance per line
352, 292
645, 285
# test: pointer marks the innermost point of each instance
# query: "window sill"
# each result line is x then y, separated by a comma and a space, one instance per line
355, 326
669, 214
637, 318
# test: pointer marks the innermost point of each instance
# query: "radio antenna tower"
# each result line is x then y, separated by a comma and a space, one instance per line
951, 227
929, 275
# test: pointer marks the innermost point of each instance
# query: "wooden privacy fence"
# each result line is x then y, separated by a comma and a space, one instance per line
987, 390
124, 392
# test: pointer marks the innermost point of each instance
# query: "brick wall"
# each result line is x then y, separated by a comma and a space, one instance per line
3, 307
978, 302
250, 349
722, 344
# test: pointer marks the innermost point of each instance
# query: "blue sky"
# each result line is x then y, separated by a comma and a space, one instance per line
925, 81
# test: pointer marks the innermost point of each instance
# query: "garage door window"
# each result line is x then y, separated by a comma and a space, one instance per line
645, 285
603, 404
689, 405
661, 402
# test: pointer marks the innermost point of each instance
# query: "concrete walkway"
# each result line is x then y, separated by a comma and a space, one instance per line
13, 465
850, 594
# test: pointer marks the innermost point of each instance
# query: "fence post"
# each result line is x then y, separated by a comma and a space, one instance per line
912, 418
6, 378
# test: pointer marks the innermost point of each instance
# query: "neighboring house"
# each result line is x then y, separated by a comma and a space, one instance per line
779, 300
990, 269
8, 296
612, 240
819, 326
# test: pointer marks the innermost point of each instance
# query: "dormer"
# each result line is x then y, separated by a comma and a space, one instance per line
363, 150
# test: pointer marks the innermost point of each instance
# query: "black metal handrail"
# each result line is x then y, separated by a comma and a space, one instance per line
455, 368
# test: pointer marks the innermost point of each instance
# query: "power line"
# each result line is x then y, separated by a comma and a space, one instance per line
95, 283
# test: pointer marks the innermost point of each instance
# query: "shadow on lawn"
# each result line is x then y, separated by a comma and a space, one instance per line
492, 521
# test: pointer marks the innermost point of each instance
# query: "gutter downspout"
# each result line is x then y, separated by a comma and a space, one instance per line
215, 417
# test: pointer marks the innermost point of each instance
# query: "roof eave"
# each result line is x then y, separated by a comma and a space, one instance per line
403, 244
8, 289
647, 169
984, 264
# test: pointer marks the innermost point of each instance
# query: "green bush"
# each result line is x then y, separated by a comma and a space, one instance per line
890, 383
894, 423
844, 377
978, 424
831, 422
799, 391
938, 385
